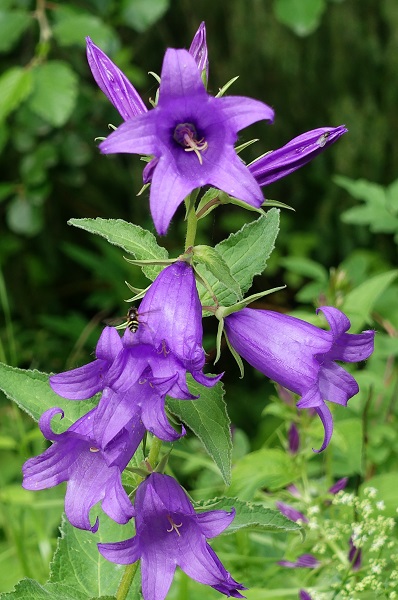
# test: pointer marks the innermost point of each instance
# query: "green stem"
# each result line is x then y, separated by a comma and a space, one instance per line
127, 580
192, 223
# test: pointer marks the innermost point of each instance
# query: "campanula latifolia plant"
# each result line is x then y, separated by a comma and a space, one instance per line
127, 410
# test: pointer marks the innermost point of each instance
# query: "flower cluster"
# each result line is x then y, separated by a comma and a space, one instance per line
189, 140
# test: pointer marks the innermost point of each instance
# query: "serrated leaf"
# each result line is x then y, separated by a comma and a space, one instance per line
72, 30
246, 253
207, 417
249, 514
358, 303
32, 590
12, 25
141, 14
15, 86
215, 263
55, 87
265, 468
31, 391
132, 238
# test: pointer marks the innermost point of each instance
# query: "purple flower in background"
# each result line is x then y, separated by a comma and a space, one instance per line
301, 357
115, 85
291, 513
355, 556
92, 472
198, 50
293, 438
169, 534
299, 151
338, 486
192, 135
303, 595
306, 561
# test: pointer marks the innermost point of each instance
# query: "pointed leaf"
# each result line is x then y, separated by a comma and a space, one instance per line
207, 417
246, 253
31, 391
15, 86
132, 238
249, 514
218, 267
55, 87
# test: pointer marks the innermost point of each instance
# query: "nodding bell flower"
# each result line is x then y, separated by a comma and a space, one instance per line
169, 533
295, 154
93, 472
192, 136
301, 357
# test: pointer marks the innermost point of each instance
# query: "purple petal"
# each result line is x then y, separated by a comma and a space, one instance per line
115, 410
198, 50
303, 595
291, 513
122, 553
81, 383
354, 556
109, 344
180, 76
154, 417
294, 439
135, 136
157, 572
206, 380
307, 561
347, 346
294, 154
45, 423
327, 421
335, 384
240, 112
213, 522
116, 502
114, 83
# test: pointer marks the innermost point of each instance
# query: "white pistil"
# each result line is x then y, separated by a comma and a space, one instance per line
173, 526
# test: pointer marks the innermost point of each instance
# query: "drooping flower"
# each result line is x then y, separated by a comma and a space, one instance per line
291, 513
306, 561
169, 533
114, 83
301, 357
192, 134
299, 151
93, 472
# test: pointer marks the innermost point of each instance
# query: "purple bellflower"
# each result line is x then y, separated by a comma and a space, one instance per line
306, 561
293, 439
192, 134
301, 357
299, 151
291, 513
198, 50
338, 486
354, 556
92, 472
169, 533
303, 595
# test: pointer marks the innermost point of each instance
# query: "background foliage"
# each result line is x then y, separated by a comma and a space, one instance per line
318, 63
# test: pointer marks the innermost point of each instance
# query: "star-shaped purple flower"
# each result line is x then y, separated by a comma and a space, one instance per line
192, 135
301, 357
93, 472
169, 534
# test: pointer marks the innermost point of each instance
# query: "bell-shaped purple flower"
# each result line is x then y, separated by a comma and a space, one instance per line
198, 49
306, 561
291, 513
169, 534
299, 151
85, 381
93, 472
301, 357
115, 85
338, 486
192, 134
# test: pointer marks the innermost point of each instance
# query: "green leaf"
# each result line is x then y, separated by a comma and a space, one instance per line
207, 417
132, 238
218, 267
72, 30
15, 86
32, 590
55, 87
386, 484
141, 14
358, 304
302, 16
245, 253
249, 514
31, 391
12, 25
270, 468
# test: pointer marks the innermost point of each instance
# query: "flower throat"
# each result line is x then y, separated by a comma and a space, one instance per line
186, 135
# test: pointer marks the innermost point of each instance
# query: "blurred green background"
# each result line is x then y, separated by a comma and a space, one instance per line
317, 62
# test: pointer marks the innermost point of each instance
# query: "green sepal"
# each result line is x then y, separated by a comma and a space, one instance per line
241, 147
236, 356
217, 266
226, 86
224, 311
218, 339
162, 464
277, 204
209, 201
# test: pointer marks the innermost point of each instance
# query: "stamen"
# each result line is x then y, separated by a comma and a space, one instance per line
185, 134
93, 449
163, 349
173, 526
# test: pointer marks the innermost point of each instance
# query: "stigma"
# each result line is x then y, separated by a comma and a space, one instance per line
186, 135
174, 526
